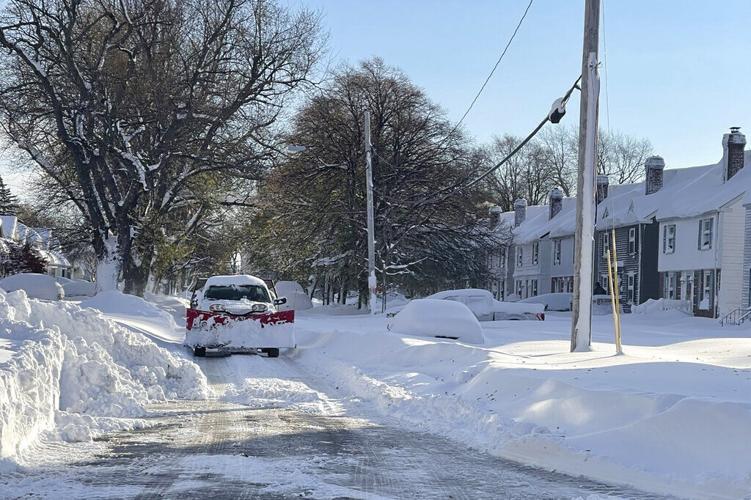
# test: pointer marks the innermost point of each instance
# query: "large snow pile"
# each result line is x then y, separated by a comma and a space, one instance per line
38, 286
652, 306
77, 288
671, 415
438, 318
74, 373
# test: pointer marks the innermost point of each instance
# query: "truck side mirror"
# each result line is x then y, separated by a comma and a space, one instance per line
280, 301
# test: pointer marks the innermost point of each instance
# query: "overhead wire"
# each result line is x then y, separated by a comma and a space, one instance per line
492, 72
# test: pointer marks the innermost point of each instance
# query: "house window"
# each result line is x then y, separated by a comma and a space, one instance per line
630, 287
669, 292
519, 256
705, 233
535, 252
502, 257
533, 291
556, 252
632, 240
604, 283
668, 238
519, 288
605, 244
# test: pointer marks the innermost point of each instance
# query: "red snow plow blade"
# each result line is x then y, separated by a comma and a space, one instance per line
240, 333
206, 320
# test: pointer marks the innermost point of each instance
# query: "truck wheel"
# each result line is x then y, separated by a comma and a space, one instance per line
272, 352
199, 352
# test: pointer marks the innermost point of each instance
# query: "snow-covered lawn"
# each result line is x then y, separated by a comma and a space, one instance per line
672, 415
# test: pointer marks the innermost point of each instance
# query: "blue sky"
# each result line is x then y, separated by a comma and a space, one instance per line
675, 69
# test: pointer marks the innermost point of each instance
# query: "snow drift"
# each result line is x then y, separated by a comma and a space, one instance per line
74, 373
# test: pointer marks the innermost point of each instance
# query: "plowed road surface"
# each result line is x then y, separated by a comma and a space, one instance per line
270, 433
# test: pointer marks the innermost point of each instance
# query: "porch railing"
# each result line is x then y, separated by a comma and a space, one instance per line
736, 316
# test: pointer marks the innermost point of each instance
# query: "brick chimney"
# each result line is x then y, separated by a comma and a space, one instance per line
520, 211
555, 202
654, 167
495, 216
733, 145
603, 181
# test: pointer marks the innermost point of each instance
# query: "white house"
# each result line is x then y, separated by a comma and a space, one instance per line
702, 236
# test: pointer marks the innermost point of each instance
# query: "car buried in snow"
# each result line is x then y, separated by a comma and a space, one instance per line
486, 308
237, 314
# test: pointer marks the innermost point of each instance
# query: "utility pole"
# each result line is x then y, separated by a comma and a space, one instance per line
581, 314
371, 222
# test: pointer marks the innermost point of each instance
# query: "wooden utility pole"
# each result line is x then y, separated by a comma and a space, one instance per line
371, 222
581, 314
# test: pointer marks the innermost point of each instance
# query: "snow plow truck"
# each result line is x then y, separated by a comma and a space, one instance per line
237, 314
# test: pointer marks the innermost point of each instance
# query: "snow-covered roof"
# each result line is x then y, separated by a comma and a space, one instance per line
54, 258
686, 192
234, 279
529, 230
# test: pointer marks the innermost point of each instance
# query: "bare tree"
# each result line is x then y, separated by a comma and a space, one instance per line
560, 144
621, 157
419, 236
132, 106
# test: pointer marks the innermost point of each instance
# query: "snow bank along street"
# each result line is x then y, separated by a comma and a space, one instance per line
343, 414
72, 374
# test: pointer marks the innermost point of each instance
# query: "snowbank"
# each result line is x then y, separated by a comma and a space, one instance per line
438, 318
673, 419
74, 374
38, 286
652, 306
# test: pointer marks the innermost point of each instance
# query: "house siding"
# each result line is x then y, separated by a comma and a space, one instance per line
731, 236
529, 271
695, 272
747, 257
628, 263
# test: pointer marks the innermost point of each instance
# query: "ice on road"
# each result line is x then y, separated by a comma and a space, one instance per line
287, 439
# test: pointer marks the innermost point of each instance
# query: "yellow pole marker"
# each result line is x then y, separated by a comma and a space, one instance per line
617, 288
612, 295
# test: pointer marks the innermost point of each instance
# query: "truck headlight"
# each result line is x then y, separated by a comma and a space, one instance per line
216, 308
258, 308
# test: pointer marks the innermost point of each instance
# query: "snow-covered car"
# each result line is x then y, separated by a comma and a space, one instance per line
486, 308
559, 301
438, 318
295, 294
77, 288
238, 313
36, 286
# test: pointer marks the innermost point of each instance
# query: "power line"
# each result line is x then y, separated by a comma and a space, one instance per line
497, 63
519, 146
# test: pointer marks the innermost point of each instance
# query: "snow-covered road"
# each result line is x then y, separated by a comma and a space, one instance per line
289, 438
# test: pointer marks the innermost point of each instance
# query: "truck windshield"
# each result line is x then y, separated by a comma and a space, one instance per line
253, 293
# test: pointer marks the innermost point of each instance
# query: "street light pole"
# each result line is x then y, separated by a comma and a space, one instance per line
371, 222
581, 314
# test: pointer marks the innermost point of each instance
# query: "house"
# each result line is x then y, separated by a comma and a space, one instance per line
499, 264
702, 232
678, 232
530, 254
629, 210
12, 231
